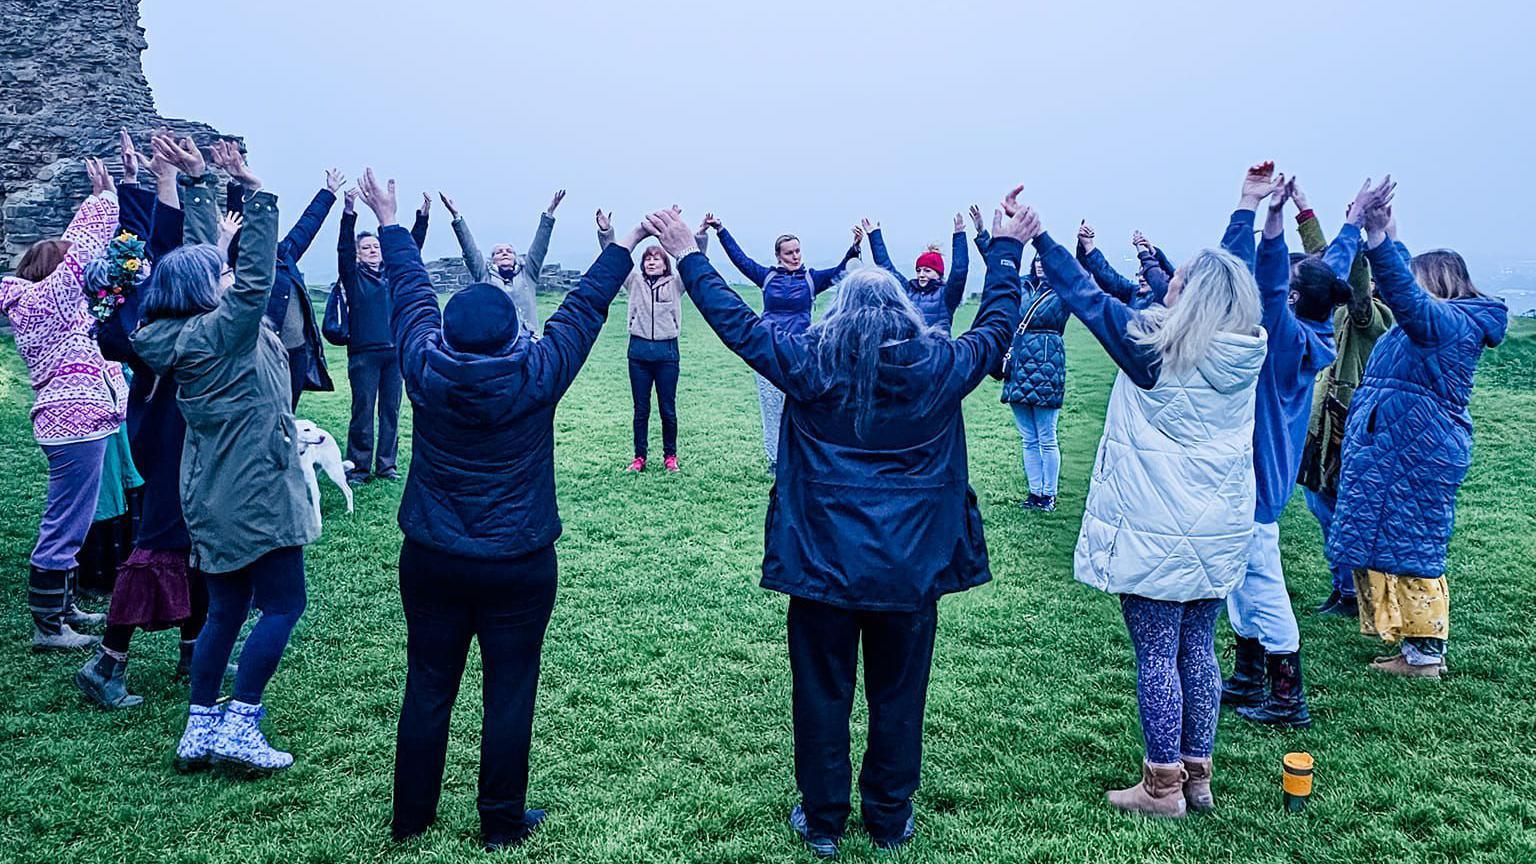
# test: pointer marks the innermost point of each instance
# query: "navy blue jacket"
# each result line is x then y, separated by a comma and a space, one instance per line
1106, 316
1299, 349
938, 301
1035, 368
155, 426
1127, 291
367, 292
482, 480
787, 294
289, 282
888, 521
1408, 439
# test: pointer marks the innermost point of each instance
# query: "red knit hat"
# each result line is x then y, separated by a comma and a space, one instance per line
933, 261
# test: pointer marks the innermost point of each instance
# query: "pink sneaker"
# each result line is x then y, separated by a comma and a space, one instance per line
671, 463
637, 465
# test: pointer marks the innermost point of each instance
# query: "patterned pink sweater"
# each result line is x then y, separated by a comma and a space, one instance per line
80, 395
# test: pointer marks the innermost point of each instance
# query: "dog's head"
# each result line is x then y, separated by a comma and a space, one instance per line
309, 434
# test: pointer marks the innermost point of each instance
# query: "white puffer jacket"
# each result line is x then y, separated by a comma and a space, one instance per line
1170, 508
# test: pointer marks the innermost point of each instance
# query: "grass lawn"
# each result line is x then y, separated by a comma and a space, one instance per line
663, 726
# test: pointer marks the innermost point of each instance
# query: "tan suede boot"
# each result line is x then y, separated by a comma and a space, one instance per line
1197, 785
1160, 792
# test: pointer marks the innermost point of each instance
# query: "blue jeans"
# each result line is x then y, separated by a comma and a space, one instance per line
1321, 504
1042, 455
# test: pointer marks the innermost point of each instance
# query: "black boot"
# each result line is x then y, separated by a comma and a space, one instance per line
184, 662
1326, 607
104, 679
1287, 702
1246, 686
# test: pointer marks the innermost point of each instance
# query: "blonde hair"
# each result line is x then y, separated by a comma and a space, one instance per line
1219, 296
1443, 273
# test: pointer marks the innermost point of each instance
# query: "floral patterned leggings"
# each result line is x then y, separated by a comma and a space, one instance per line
1178, 684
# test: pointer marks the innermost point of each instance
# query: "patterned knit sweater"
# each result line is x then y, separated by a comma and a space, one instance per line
80, 395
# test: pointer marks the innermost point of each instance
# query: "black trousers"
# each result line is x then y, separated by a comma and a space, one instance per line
663, 374
824, 658
375, 380
505, 603
298, 365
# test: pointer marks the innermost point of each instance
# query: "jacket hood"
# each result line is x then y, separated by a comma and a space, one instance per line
1234, 360
1488, 314
155, 343
475, 389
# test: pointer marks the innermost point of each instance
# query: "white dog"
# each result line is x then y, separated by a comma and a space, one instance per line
318, 447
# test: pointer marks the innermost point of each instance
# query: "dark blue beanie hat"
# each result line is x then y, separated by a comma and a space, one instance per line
480, 319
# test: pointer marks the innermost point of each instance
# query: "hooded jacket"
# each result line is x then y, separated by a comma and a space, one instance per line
1170, 503
885, 521
231, 372
1408, 438
81, 396
367, 291
482, 480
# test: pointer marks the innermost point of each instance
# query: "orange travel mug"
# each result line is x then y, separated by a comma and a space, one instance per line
1297, 780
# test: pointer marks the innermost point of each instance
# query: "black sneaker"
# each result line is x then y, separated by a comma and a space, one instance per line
821, 847
1326, 607
1031, 503
358, 479
1048, 503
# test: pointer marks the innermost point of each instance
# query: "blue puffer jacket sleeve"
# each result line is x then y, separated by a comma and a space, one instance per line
771, 352
882, 257
754, 271
1108, 279
572, 329
1238, 238
959, 271
980, 349
1107, 318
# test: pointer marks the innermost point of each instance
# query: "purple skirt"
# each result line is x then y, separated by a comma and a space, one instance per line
151, 591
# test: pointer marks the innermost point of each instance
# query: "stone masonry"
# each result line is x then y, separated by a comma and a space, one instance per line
70, 77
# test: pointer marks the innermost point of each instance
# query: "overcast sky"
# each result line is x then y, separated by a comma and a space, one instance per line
801, 117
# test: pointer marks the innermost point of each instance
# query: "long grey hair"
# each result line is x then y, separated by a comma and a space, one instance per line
871, 310
1219, 295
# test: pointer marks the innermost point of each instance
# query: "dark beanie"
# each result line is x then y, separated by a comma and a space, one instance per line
480, 319
1316, 289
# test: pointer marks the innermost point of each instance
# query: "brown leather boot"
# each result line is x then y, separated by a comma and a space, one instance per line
1197, 785
1160, 792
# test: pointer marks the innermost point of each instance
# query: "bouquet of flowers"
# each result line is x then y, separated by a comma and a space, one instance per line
126, 267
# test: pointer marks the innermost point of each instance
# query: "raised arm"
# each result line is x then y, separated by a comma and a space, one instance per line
821, 280
474, 262
89, 232
959, 268
878, 252
754, 271
570, 332
1153, 270
419, 226
770, 352
1106, 317
1426, 320
237, 319
533, 262
979, 350
1259, 183
346, 243
296, 242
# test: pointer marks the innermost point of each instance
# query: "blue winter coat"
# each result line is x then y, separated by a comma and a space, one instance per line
788, 295
482, 481
1035, 368
939, 300
885, 521
1408, 439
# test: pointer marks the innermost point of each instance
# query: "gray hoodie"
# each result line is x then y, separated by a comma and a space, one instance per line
524, 285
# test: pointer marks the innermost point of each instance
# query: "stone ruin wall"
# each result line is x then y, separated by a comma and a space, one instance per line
70, 77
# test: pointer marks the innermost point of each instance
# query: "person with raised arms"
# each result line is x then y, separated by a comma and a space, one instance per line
1299, 328
871, 519
1034, 376
934, 295
789, 292
479, 513
519, 274
1178, 436
202, 326
1408, 443
655, 292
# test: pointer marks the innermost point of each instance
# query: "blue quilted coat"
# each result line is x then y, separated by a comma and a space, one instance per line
1408, 439
1035, 369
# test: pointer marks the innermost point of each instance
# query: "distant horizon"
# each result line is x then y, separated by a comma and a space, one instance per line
1129, 119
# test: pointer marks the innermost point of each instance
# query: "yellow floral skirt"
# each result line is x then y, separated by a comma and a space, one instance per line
1398, 607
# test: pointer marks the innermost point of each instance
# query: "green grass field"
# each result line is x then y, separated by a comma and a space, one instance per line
663, 725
